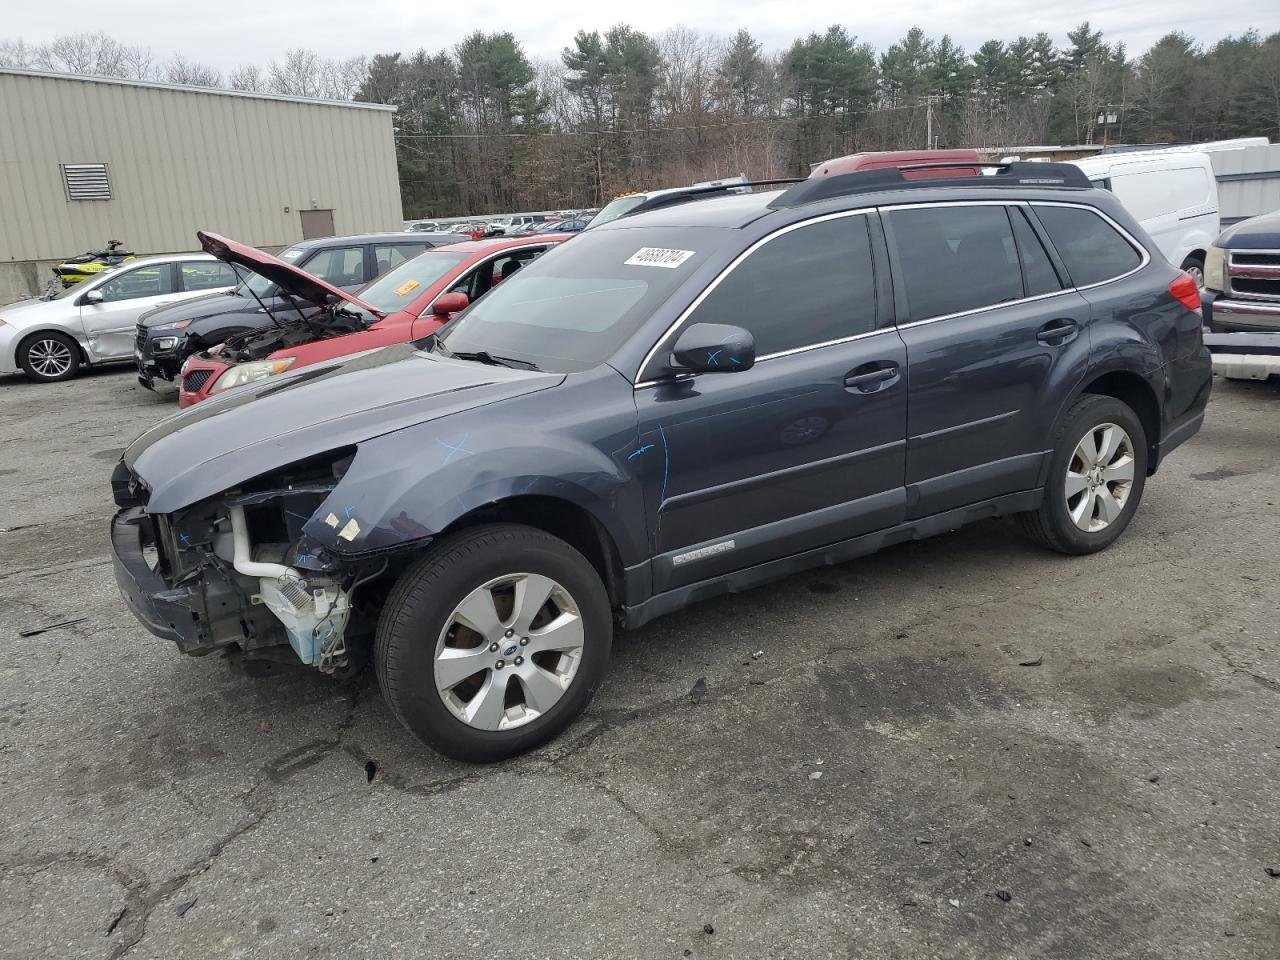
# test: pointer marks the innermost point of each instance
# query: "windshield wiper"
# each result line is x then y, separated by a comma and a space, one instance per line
484, 356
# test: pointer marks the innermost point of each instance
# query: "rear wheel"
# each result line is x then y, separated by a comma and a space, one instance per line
1194, 265
1096, 477
49, 356
493, 641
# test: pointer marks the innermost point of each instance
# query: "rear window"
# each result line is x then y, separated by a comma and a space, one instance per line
401, 285
616, 208
574, 306
1092, 250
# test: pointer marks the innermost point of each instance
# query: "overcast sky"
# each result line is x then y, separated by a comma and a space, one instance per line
226, 33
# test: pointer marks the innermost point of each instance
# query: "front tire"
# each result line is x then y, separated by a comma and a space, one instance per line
493, 641
49, 357
1096, 477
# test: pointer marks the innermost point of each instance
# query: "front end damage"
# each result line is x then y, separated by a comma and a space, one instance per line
237, 569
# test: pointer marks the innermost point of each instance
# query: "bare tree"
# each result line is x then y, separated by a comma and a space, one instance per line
249, 78
17, 54
95, 54
341, 79
300, 75
181, 70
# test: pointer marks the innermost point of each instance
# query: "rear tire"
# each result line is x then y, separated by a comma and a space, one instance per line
1096, 477
480, 694
1194, 265
49, 356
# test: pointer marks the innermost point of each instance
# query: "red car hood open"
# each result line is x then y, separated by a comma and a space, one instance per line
294, 282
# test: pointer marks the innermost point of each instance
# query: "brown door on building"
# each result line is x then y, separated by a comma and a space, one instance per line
316, 224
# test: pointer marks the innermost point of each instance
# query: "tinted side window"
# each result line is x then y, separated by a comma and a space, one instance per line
1038, 274
954, 259
808, 286
388, 255
148, 281
206, 275
1089, 246
340, 266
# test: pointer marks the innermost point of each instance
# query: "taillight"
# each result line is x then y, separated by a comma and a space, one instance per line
1186, 292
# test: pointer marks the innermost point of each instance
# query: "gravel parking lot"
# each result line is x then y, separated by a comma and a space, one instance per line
965, 747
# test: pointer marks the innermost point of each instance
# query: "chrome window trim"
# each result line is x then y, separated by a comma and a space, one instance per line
1145, 259
1143, 253
773, 356
733, 265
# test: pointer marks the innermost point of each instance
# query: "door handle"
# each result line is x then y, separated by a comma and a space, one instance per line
869, 378
1057, 332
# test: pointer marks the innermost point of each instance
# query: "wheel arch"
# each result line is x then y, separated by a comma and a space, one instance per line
569, 521
27, 337
1134, 391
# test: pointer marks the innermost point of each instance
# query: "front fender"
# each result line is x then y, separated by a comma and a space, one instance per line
412, 484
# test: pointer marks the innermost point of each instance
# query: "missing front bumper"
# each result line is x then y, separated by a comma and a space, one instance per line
205, 612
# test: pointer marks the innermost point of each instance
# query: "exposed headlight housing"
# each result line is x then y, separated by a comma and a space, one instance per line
1215, 269
166, 343
243, 373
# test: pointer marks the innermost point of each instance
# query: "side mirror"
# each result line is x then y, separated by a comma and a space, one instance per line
448, 304
93, 296
714, 348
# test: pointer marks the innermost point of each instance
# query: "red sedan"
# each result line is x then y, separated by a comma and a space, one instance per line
410, 301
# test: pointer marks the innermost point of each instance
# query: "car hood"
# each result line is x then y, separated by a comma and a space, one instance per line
234, 437
200, 308
290, 279
24, 312
1256, 233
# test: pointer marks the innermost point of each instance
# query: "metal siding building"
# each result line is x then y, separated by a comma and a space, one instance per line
180, 159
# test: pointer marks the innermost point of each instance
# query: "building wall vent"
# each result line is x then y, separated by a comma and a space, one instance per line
86, 181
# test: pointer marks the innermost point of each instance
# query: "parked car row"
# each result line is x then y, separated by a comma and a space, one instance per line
714, 389
158, 310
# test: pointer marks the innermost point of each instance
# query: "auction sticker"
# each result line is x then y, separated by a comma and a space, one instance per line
406, 287
658, 257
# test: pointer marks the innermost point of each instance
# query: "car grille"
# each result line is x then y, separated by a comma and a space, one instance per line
1254, 275
196, 379
141, 340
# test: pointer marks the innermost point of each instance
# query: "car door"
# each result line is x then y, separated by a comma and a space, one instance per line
807, 447
110, 323
993, 342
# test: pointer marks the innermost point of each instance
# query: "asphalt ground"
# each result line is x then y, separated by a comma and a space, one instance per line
1020, 755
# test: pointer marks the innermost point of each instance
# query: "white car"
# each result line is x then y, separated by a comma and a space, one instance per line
1172, 193
95, 321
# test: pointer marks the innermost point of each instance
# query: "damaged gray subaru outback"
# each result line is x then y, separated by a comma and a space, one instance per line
697, 398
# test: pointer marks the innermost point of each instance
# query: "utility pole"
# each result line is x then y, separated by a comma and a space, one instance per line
1107, 115
928, 120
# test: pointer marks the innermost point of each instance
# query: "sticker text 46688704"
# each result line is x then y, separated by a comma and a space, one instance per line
658, 257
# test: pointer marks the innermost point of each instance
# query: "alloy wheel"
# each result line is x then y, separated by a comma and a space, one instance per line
509, 651
1197, 274
49, 358
1100, 477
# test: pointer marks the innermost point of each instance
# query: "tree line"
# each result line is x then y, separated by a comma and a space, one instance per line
483, 127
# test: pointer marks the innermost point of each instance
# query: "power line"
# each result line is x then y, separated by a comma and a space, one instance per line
633, 131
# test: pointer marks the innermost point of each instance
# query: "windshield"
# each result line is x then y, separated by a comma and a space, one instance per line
398, 288
252, 284
576, 304
616, 208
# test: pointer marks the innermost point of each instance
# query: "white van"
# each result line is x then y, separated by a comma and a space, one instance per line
1172, 193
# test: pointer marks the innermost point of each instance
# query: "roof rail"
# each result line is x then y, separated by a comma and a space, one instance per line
1016, 174
666, 198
